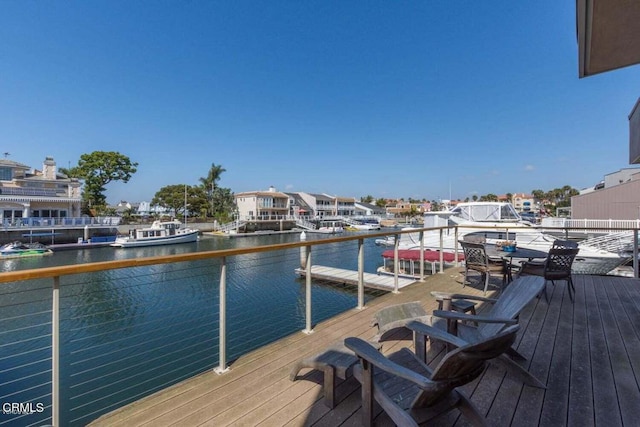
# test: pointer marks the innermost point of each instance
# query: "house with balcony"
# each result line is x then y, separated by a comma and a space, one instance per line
402, 208
298, 206
345, 206
266, 205
523, 202
27, 193
320, 205
369, 209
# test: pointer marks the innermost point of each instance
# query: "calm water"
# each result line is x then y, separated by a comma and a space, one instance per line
127, 333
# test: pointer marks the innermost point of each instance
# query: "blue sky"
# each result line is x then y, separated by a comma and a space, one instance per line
392, 99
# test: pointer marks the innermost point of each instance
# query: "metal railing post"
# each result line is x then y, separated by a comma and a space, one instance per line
421, 237
222, 367
455, 246
308, 328
55, 353
441, 268
635, 254
396, 264
360, 274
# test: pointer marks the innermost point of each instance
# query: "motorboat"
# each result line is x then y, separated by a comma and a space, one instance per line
159, 233
330, 227
386, 241
366, 226
506, 225
362, 223
21, 250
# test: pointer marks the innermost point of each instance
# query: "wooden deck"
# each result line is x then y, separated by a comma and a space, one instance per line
587, 353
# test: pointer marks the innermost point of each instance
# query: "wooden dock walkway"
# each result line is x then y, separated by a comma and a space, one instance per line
350, 277
587, 353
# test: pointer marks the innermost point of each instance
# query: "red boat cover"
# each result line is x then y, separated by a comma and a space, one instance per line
414, 255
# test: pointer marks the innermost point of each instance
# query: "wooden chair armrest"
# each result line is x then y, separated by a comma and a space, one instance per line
454, 315
367, 352
439, 296
436, 333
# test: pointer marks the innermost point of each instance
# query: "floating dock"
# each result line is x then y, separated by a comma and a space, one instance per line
350, 277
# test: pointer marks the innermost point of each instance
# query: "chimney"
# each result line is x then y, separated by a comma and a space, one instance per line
49, 170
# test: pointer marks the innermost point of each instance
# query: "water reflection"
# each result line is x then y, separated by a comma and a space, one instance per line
129, 332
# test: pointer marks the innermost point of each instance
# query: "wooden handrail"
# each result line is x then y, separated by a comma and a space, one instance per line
49, 272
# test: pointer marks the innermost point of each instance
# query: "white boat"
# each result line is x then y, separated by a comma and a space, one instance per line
330, 227
159, 233
366, 226
22, 250
508, 225
386, 241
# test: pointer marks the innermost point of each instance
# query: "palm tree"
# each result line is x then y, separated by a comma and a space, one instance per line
210, 183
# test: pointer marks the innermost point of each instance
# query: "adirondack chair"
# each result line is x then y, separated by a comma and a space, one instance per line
412, 393
471, 328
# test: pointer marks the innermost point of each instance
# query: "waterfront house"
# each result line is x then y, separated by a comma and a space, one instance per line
345, 206
523, 202
403, 208
321, 205
298, 207
262, 204
368, 209
26, 193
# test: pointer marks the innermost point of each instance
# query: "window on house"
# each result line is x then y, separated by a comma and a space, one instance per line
5, 174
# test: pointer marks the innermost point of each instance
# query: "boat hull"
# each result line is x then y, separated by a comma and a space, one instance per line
26, 254
126, 242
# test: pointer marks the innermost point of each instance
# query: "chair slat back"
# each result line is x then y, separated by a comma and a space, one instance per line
474, 253
512, 301
559, 260
464, 364
564, 244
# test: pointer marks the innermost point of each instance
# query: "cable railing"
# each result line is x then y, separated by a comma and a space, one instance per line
78, 341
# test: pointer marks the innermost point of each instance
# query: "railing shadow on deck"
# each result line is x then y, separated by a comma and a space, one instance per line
78, 341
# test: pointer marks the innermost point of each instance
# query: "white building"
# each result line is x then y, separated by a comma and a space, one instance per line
270, 204
37, 194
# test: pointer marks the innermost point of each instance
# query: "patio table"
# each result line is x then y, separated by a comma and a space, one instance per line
523, 253
520, 253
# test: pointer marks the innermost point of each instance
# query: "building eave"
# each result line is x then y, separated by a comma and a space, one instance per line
608, 33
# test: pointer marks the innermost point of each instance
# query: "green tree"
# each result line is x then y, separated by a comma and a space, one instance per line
489, 198
173, 197
224, 204
98, 169
210, 184
381, 203
367, 199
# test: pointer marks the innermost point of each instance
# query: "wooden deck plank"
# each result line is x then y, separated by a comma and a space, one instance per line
580, 401
555, 405
591, 344
604, 394
625, 356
